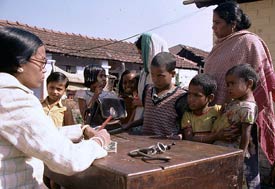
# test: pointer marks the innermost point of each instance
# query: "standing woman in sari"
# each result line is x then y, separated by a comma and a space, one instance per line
235, 45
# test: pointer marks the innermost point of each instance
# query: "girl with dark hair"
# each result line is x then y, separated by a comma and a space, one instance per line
128, 90
95, 81
242, 112
28, 138
235, 45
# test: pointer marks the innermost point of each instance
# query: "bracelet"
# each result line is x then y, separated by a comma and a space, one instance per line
100, 140
84, 127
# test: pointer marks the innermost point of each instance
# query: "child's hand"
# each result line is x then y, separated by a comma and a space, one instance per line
175, 137
136, 101
98, 90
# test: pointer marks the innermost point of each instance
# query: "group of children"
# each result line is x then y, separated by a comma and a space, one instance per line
201, 122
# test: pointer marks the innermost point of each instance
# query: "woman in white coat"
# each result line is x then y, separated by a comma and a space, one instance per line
28, 137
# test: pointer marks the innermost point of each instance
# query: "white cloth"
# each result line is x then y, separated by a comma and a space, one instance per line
157, 45
28, 138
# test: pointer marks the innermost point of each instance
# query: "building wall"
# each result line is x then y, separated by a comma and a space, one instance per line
262, 16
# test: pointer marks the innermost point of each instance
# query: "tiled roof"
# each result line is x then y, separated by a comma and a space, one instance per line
198, 52
206, 3
88, 47
82, 46
185, 63
190, 53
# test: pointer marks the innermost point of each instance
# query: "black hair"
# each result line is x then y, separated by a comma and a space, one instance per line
58, 77
231, 12
244, 71
16, 47
138, 42
164, 58
90, 74
207, 82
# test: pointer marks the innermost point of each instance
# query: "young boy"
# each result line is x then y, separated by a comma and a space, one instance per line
57, 84
160, 116
198, 122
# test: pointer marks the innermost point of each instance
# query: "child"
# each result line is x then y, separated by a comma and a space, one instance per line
242, 112
160, 116
128, 90
95, 80
148, 45
57, 84
197, 123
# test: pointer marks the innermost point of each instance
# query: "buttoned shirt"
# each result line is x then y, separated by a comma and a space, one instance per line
28, 138
56, 112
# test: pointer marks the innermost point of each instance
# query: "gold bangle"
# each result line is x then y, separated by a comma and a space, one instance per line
100, 140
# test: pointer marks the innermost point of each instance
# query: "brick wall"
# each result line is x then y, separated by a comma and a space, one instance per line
262, 16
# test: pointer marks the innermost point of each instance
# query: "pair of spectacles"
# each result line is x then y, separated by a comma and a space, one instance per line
42, 64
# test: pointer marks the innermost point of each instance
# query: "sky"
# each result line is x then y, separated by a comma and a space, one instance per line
117, 19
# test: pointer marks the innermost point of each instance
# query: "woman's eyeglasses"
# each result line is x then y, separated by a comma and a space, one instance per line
42, 64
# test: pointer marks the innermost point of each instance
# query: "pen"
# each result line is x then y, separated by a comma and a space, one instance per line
105, 123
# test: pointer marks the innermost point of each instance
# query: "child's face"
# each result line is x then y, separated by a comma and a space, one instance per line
196, 98
129, 83
101, 81
237, 87
56, 90
161, 77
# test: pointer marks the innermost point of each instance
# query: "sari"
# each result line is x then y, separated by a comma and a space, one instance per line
246, 47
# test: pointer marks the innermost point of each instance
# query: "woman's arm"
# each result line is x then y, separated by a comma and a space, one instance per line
29, 130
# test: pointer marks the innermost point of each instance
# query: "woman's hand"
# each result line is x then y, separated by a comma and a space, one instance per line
102, 137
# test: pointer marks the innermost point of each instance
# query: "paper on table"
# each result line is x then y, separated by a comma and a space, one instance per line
112, 147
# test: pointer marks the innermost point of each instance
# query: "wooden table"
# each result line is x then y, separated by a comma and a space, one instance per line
193, 165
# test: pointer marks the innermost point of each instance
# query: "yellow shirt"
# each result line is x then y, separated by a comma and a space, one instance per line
201, 123
56, 112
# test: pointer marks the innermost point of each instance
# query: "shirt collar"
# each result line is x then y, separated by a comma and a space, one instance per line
46, 101
157, 98
13, 82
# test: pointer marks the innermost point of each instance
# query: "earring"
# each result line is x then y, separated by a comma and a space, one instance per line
20, 70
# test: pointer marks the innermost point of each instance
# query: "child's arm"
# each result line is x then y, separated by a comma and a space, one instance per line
68, 117
82, 106
135, 123
188, 134
198, 137
245, 137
